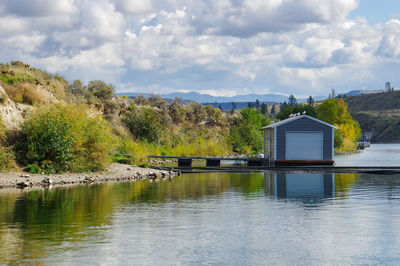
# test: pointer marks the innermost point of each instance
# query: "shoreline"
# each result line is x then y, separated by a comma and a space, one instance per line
115, 173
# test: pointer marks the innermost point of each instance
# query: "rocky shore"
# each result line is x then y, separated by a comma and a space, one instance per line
115, 173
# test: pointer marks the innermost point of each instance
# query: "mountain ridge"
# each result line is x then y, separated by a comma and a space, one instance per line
207, 98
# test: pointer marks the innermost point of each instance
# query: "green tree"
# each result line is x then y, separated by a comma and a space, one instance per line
144, 124
245, 134
102, 91
62, 137
157, 101
334, 111
176, 111
310, 101
141, 100
77, 88
292, 100
297, 108
264, 108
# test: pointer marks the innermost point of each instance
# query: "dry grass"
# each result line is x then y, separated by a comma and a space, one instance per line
26, 92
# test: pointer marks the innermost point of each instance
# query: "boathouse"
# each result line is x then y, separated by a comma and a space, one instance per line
299, 140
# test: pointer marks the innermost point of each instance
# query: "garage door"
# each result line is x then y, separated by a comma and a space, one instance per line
304, 146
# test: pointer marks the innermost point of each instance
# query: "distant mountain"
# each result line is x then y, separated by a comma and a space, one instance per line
206, 98
238, 105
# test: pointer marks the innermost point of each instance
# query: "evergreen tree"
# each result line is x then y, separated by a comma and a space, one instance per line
264, 108
292, 100
310, 101
273, 111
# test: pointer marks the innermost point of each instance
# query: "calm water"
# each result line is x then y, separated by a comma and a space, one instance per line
224, 218
376, 155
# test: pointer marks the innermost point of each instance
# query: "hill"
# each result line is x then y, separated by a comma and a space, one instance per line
206, 98
378, 114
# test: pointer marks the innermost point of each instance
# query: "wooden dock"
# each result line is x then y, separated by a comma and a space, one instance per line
186, 161
213, 164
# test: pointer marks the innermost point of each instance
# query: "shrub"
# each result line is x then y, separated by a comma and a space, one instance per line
6, 154
61, 137
26, 93
144, 124
245, 135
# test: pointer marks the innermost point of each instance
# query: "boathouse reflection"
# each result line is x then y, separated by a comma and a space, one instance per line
299, 185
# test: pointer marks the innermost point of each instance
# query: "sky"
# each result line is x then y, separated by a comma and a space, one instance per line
223, 48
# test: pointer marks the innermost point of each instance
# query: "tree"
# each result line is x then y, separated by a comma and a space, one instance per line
176, 111
157, 101
245, 134
388, 87
282, 106
144, 124
233, 107
264, 108
310, 101
332, 94
297, 108
77, 88
257, 104
141, 100
334, 111
292, 100
104, 92
273, 111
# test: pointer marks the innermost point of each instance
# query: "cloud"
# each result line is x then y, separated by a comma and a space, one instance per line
134, 7
39, 8
284, 46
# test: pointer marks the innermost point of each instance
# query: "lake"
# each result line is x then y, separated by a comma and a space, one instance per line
211, 218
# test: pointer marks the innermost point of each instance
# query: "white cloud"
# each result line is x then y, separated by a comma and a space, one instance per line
38, 8
134, 7
283, 45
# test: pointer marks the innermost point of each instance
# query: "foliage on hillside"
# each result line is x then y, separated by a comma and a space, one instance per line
63, 137
25, 84
333, 111
6, 155
246, 136
158, 128
377, 114
286, 110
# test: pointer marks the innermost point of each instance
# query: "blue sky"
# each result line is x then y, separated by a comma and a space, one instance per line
224, 47
377, 11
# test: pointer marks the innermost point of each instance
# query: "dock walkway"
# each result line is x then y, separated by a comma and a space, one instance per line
213, 164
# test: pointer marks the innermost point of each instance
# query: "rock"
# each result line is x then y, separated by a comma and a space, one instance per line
26, 176
128, 168
89, 179
24, 184
47, 181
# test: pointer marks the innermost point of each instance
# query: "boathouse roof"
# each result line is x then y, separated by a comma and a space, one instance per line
294, 118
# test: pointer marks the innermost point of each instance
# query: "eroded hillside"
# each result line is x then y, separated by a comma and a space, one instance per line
379, 114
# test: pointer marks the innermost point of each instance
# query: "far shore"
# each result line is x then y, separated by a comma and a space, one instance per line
115, 173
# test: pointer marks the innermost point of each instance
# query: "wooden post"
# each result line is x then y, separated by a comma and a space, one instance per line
184, 162
254, 163
213, 162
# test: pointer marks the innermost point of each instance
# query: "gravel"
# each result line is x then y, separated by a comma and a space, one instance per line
115, 173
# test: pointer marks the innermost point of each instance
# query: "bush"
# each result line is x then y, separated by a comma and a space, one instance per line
245, 135
60, 137
144, 124
26, 93
6, 155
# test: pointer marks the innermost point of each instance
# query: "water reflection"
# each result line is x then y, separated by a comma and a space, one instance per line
303, 186
207, 215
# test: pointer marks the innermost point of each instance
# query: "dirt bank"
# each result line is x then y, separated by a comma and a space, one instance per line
116, 173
